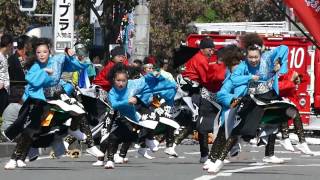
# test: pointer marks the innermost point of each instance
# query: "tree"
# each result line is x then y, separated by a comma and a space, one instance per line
168, 23
83, 28
170, 17
16, 22
246, 10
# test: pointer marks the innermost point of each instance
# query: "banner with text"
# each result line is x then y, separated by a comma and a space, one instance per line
63, 25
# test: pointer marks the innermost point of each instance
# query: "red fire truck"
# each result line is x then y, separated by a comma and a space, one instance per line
301, 58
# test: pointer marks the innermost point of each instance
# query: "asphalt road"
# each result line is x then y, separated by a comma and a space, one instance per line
248, 165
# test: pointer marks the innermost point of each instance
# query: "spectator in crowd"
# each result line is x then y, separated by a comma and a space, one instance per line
118, 56
82, 77
6, 47
164, 64
19, 63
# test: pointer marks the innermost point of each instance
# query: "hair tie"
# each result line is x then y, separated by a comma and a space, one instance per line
257, 46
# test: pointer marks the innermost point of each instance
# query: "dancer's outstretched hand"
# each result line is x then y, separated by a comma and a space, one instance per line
133, 100
69, 52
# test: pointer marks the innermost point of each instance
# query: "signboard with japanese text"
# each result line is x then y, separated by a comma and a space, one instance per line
63, 25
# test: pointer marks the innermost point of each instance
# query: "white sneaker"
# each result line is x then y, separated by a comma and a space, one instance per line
120, 160
144, 153
94, 151
11, 164
226, 161
272, 159
171, 151
215, 168
253, 141
203, 159
137, 146
117, 159
97, 163
287, 145
207, 164
152, 144
109, 165
304, 148
21, 164
77, 134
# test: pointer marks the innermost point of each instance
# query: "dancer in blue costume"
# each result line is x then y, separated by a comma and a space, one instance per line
228, 98
163, 112
261, 69
43, 80
125, 96
260, 65
143, 89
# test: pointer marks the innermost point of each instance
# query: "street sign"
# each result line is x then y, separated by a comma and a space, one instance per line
27, 5
63, 30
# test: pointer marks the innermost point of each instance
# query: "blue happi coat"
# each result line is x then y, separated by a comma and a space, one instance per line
244, 72
38, 79
227, 93
144, 88
161, 86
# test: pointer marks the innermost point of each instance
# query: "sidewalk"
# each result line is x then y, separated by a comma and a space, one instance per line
6, 149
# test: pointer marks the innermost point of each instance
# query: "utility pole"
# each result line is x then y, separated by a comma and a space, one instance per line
142, 31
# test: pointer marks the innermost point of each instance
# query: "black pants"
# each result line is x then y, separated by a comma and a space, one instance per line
218, 144
169, 136
36, 109
269, 150
202, 137
184, 133
31, 110
123, 149
230, 142
298, 126
82, 122
144, 134
124, 133
4, 100
203, 142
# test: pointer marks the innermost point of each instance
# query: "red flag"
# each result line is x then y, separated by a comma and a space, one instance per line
308, 11
317, 77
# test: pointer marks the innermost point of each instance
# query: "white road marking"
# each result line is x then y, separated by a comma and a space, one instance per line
230, 172
192, 153
205, 177
287, 152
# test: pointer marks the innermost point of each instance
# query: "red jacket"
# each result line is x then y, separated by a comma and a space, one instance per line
102, 79
196, 68
287, 88
215, 76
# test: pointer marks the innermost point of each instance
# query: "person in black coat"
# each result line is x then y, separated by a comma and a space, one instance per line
18, 64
